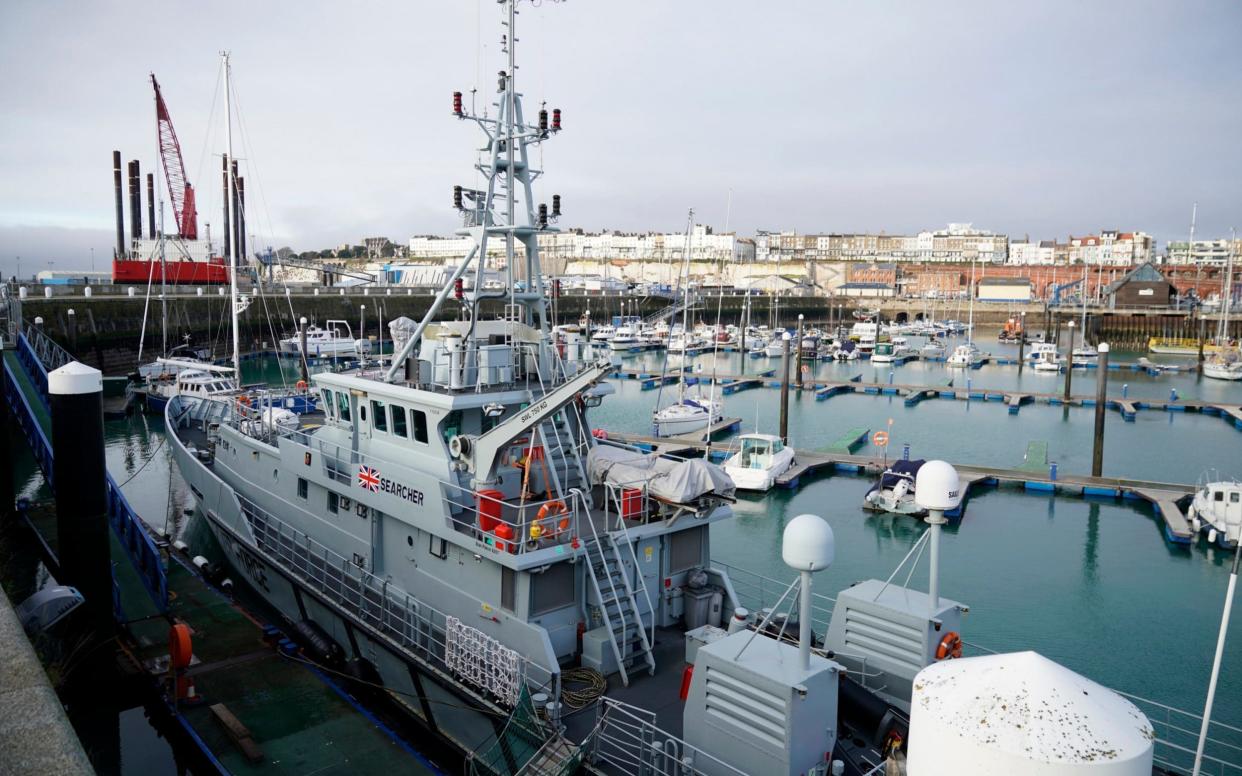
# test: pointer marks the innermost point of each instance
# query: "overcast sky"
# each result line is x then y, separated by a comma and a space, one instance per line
1047, 118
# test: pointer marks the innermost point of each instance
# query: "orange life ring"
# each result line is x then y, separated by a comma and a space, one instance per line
180, 646
880, 438
547, 508
301, 385
950, 646
243, 400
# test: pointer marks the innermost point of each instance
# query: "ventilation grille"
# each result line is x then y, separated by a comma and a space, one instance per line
872, 636
755, 713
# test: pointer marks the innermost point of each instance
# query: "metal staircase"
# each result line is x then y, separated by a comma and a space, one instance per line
618, 608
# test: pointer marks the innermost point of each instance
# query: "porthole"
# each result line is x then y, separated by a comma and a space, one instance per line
409, 540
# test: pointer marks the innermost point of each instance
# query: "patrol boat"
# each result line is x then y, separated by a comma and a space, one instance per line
450, 529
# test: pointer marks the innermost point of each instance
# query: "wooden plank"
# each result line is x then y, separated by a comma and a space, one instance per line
238, 733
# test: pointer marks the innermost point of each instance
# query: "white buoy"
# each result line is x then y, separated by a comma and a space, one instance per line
1021, 714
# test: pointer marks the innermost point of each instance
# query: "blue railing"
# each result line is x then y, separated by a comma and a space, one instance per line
125, 522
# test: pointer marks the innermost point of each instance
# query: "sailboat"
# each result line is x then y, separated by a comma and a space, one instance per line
1226, 362
1086, 354
967, 355
688, 413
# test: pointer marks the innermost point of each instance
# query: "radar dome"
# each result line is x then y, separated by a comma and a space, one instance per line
808, 544
936, 486
1024, 715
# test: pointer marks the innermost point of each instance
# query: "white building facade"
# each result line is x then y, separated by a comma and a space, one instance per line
705, 245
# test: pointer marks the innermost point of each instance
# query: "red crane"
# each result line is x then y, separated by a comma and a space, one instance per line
179, 189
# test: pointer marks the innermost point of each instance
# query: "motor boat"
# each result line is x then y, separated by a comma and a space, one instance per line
965, 355
1038, 350
1217, 509
759, 461
1084, 356
624, 338
847, 351
892, 351
894, 491
1047, 361
333, 340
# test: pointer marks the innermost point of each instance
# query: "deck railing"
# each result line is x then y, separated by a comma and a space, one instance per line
418, 628
627, 740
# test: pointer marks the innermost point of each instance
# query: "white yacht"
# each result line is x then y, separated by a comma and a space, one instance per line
892, 351
965, 355
335, 339
776, 346
759, 461
624, 338
933, 350
1217, 509
1224, 365
1047, 361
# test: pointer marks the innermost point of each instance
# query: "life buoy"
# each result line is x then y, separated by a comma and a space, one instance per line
301, 384
554, 509
950, 646
243, 400
599, 433
180, 646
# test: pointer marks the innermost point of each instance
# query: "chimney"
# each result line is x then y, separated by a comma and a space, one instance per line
120, 212
151, 205
135, 201
227, 234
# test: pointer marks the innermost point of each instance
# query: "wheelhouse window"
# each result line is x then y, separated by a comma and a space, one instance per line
379, 418
329, 409
420, 424
398, 420
342, 406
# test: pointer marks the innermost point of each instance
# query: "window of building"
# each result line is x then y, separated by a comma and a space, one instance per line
342, 406
508, 583
379, 418
420, 424
686, 550
303, 488
398, 420
553, 589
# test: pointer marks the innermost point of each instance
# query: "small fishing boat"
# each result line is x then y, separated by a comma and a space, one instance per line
891, 352
1047, 361
894, 491
1217, 509
759, 461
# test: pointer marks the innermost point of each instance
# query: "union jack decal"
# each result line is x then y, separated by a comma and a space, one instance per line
369, 478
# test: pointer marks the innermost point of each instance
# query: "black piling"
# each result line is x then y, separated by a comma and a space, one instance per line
1069, 366
785, 388
71, 324
120, 206
1101, 402
799, 377
302, 337
79, 473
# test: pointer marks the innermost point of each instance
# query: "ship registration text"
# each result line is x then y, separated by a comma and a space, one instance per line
401, 491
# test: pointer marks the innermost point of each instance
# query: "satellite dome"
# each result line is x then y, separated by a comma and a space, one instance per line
936, 486
1021, 714
808, 544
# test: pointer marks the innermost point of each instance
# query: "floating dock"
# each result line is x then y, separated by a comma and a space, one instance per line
1033, 474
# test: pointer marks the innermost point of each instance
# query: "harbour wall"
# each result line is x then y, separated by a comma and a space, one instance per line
105, 331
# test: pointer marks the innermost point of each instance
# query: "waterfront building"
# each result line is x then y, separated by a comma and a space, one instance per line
1143, 286
578, 245
1209, 253
1040, 252
1111, 248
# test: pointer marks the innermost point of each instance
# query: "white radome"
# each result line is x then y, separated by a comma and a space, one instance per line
1021, 714
808, 544
937, 486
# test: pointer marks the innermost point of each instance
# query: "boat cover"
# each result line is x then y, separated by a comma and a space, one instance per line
900, 470
678, 482
401, 329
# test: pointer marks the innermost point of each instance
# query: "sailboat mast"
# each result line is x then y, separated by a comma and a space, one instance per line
685, 307
970, 322
232, 248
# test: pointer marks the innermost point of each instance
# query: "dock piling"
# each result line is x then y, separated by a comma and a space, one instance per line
785, 388
79, 474
1101, 404
1069, 367
302, 337
799, 351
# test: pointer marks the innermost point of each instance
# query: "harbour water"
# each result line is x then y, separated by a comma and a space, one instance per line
1089, 583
